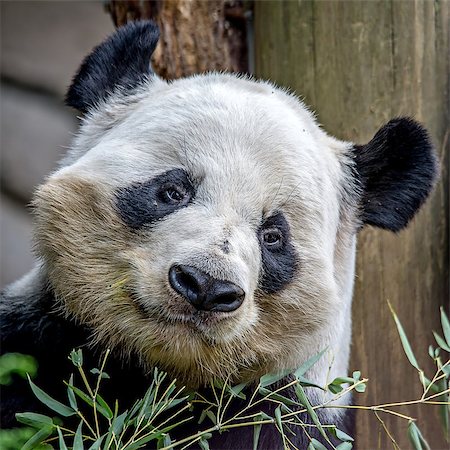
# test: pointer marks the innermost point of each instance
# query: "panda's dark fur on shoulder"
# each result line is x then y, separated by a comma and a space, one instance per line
205, 225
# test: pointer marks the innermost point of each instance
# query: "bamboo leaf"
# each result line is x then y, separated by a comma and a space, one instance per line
107, 410
212, 416
441, 342
96, 445
275, 396
345, 446
445, 326
416, 438
78, 439
37, 438
71, 395
62, 444
35, 420
103, 375
164, 441
76, 356
236, 391
405, 343
305, 402
316, 445
307, 383
257, 431
267, 380
203, 443
104, 412
309, 363
53, 404
278, 417
341, 435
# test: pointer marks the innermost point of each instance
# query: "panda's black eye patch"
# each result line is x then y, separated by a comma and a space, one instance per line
279, 258
142, 204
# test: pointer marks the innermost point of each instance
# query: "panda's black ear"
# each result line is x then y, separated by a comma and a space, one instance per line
397, 169
122, 61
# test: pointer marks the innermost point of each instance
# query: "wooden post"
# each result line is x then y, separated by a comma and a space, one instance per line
358, 64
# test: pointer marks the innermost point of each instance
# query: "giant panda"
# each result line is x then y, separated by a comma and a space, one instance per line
206, 226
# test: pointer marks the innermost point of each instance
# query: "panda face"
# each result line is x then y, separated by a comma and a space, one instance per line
223, 178
208, 225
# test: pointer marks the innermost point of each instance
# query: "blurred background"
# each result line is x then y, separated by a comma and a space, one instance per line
356, 63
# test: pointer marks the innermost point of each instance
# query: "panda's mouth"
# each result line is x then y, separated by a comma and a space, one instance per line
179, 313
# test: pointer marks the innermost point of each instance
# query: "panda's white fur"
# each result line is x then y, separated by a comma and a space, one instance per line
253, 150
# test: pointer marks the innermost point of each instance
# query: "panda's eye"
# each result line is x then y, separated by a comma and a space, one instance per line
174, 194
272, 238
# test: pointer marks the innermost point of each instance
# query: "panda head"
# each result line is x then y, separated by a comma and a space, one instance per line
207, 224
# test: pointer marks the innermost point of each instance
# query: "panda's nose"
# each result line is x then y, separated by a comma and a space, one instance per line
203, 291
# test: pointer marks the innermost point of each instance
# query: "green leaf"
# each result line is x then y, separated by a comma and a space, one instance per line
102, 374
203, 442
415, 436
278, 417
76, 356
341, 435
78, 439
336, 385
356, 375
212, 416
96, 445
164, 441
441, 342
257, 431
335, 388
143, 440
105, 412
37, 438
431, 351
305, 402
62, 444
267, 380
345, 446
304, 382
405, 343
309, 363
71, 395
202, 417
279, 398
117, 423
34, 420
236, 391
102, 404
360, 387
53, 404
316, 445
445, 326
444, 408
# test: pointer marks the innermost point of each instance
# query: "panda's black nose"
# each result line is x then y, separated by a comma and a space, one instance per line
203, 291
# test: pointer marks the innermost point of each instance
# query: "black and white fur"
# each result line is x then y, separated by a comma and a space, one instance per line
230, 177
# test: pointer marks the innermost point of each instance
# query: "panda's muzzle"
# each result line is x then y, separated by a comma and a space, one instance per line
203, 291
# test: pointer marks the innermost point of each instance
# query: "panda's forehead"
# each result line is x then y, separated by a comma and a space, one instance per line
238, 138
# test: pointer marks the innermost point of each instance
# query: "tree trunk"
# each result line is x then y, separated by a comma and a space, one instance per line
358, 64
196, 36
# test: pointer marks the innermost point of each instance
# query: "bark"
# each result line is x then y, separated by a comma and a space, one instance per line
196, 36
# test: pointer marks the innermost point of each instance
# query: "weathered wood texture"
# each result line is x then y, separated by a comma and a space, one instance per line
196, 35
358, 64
